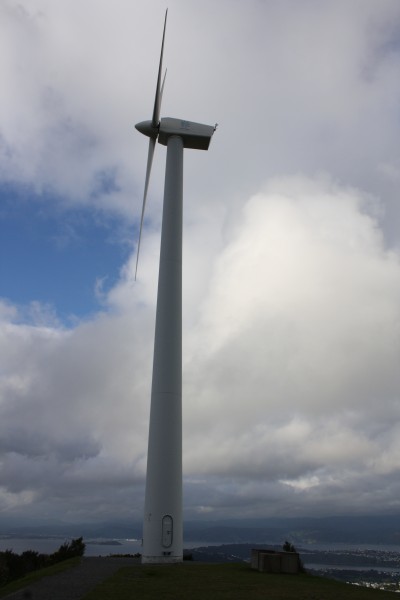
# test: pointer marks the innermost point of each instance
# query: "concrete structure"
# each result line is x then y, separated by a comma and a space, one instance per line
269, 561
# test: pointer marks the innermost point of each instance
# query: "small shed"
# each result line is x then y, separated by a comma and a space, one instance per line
269, 561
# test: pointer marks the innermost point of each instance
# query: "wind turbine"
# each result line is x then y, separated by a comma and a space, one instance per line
162, 527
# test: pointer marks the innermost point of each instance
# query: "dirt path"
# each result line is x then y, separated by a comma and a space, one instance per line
74, 583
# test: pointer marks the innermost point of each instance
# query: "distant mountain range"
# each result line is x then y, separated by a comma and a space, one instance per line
344, 529
326, 530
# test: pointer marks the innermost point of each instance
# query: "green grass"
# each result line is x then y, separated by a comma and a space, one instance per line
222, 582
30, 578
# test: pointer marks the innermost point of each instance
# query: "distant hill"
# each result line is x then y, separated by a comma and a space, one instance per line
346, 529
300, 531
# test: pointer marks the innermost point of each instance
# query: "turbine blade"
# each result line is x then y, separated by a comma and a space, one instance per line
157, 102
152, 145
162, 87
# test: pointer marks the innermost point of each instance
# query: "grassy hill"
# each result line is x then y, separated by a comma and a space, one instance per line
223, 582
34, 576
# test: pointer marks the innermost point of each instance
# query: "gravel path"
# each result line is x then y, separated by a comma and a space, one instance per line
73, 583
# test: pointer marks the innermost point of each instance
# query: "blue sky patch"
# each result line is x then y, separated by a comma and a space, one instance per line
55, 256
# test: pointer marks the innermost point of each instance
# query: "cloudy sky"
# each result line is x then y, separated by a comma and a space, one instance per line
291, 255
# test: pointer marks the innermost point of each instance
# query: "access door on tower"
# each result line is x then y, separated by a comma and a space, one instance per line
167, 531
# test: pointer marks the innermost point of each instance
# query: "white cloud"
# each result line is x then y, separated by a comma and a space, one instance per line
290, 380
297, 353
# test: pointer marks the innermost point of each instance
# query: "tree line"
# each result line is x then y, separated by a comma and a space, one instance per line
14, 566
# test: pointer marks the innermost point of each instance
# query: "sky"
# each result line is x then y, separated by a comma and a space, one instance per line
291, 293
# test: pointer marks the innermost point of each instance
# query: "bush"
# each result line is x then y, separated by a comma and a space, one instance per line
288, 547
4, 570
69, 550
14, 566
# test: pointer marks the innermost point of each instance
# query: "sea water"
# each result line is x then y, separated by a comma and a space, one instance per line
94, 547
106, 547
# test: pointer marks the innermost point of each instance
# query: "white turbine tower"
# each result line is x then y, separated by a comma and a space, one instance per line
162, 528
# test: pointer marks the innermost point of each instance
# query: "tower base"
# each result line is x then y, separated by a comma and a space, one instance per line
161, 560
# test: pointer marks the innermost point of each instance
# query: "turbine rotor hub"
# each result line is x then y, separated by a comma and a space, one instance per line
147, 128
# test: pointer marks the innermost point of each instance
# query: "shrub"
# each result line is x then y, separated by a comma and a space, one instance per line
69, 550
13, 566
288, 547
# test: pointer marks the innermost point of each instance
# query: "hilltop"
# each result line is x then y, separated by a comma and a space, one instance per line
223, 582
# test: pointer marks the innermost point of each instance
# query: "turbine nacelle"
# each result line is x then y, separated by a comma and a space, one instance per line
194, 135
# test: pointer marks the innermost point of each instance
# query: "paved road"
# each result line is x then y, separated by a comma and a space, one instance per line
74, 583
